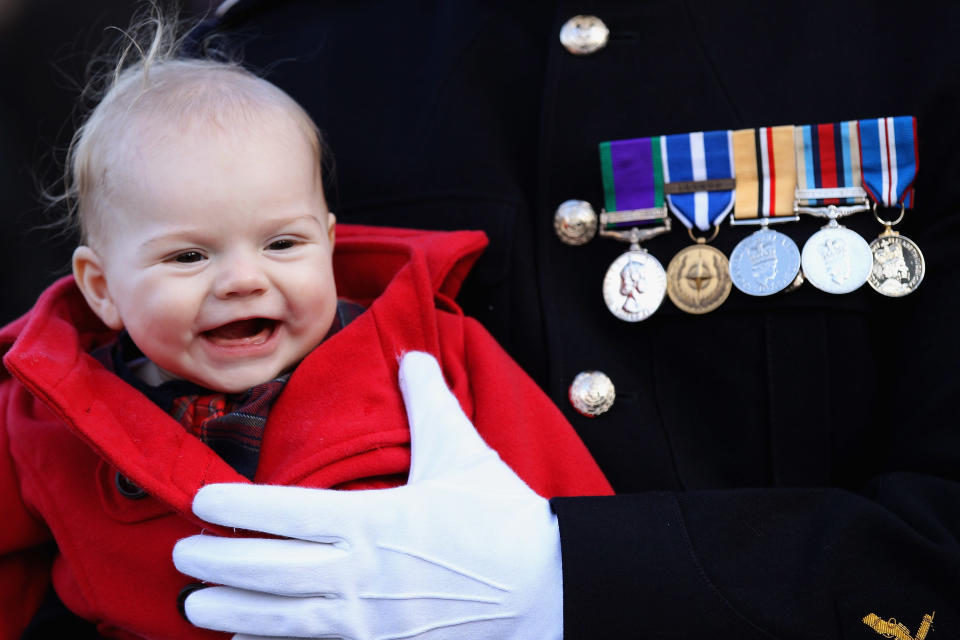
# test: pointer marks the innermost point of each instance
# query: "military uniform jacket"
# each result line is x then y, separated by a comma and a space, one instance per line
789, 464
68, 427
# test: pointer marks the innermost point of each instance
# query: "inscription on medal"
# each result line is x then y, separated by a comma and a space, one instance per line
698, 279
634, 286
764, 263
898, 265
836, 260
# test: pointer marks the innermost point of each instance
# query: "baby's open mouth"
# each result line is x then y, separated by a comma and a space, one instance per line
242, 332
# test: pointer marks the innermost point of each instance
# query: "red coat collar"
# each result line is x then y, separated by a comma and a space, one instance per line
340, 402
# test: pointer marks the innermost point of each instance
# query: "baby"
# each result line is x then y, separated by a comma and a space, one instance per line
201, 340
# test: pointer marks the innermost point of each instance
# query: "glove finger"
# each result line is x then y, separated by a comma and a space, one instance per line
442, 437
286, 567
260, 614
320, 515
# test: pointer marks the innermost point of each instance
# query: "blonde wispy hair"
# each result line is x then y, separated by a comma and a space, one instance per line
150, 80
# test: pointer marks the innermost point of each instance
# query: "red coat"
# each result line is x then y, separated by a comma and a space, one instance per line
67, 426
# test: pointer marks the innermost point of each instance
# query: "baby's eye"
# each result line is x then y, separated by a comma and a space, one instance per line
188, 257
280, 245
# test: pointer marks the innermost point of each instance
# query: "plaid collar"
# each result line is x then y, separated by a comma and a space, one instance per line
232, 424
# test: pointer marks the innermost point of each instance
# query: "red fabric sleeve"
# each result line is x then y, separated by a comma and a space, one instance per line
513, 415
24, 563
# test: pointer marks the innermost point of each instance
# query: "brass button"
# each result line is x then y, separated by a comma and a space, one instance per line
583, 35
592, 393
575, 222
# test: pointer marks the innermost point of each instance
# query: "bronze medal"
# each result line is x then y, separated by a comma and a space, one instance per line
698, 279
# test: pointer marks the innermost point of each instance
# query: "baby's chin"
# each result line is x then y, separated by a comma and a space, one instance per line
233, 382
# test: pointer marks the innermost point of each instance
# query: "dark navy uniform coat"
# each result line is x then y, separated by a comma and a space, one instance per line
788, 465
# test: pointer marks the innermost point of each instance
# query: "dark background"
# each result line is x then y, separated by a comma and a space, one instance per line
45, 46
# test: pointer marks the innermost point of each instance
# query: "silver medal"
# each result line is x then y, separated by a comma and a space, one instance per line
898, 265
764, 263
634, 286
836, 259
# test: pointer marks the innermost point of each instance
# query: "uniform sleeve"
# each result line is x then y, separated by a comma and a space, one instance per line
515, 417
801, 563
24, 556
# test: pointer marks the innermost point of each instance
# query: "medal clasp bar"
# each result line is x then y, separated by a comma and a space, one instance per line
831, 211
611, 220
805, 202
763, 221
635, 235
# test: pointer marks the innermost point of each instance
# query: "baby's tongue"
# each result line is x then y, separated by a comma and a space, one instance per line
240, 331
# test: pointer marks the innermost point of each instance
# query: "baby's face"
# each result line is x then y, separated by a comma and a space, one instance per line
217, 253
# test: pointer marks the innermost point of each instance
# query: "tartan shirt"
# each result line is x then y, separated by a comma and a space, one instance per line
232, 424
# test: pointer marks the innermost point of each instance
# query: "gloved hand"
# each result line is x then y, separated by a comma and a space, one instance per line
464, 551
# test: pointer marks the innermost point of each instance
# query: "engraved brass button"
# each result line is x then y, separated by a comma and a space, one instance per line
583, 35
592, 393
575, 222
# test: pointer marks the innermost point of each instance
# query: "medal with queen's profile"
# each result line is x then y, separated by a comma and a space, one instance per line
898, 265
634, 285
836, 259
764, 263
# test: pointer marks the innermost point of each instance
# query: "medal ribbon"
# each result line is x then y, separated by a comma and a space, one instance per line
889, 160
694, 158
632, 179
828, 157
765, 164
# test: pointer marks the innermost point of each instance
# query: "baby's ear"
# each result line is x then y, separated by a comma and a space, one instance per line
332, 228
92, 279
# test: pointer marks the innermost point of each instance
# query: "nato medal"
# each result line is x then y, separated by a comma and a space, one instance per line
764, 263
698, 278
836, 259
634, 286
898, 265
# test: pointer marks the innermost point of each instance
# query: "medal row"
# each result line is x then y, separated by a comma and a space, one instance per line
764, 176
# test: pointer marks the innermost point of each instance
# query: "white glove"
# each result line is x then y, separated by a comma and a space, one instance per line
464, 551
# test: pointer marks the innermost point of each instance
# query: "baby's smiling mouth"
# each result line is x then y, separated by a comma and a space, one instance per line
241, 333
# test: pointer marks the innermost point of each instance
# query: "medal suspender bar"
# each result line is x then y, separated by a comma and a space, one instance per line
834, 259
635, 283
889, 162
698, 173
767, 261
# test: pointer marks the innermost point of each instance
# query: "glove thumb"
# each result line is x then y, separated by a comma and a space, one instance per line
442, 438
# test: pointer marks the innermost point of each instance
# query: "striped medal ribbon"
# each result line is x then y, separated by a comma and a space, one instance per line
834, 259
889, 161
632, 183
699, 187
828, 165
698, 176
634, 285
767, 261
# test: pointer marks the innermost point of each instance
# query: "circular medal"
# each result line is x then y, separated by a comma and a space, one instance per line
898, 265
634, 286
698, 279
764, 263
836, 260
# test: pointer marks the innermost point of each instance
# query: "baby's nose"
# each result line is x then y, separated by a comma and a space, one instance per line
240, 277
